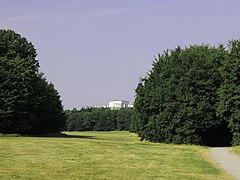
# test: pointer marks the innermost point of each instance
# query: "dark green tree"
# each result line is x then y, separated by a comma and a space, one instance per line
24, 92
45, 108
229, 92
17, 67
75, 120
71, 120
105, 119
124, 117
177, 101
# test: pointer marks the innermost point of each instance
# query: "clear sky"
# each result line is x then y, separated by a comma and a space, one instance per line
96, 50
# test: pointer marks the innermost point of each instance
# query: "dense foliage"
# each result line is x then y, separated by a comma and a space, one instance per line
229, 92
99, 119
28, 103
178, 101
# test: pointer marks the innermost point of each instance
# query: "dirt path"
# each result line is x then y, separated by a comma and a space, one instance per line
228, 161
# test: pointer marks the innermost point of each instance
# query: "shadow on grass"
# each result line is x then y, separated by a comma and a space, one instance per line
63, 135
54, 135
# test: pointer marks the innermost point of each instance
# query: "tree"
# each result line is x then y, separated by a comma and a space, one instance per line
177, 101
124, 117
75, 120
71, 119
25, 95
17, 67
105, 119
45, 108
229, 92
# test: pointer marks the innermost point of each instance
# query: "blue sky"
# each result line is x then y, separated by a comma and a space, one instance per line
96, 50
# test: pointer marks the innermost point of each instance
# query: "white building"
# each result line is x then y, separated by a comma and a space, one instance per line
118, 104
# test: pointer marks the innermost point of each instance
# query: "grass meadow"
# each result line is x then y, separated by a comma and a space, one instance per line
236, 149
102, 155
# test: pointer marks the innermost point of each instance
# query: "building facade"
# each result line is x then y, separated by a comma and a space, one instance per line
118, 104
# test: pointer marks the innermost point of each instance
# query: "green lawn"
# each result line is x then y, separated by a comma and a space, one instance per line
236, 149
102, 155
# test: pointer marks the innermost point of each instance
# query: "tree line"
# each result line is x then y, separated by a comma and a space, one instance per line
191, 96
99, 119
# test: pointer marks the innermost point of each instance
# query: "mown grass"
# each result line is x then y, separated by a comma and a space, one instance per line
236, 149
102, 155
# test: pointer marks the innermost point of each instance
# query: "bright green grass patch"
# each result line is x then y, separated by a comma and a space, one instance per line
102, 155
236, 149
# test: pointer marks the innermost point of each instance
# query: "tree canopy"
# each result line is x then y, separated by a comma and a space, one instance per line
229, 92
28, 103
178, 101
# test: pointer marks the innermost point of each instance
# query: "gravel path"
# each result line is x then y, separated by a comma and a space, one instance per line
228, 161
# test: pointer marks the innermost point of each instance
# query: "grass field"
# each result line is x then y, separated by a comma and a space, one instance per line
236, 149
102, 155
